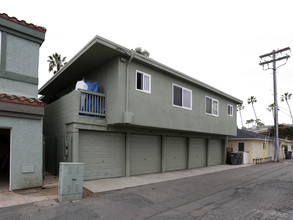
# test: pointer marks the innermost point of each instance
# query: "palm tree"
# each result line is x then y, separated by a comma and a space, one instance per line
270, 108
55, 61
259, 123
248, 122
252, 100
285, 97
239, 108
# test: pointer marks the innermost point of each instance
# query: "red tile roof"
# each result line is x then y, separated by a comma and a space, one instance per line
21, 100
24, 23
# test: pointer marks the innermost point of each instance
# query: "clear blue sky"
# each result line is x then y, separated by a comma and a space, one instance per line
217, 42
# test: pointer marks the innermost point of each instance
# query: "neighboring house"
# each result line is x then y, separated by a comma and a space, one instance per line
259, 148
21, 113
146, 117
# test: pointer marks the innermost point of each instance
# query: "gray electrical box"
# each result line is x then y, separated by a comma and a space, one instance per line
70, 181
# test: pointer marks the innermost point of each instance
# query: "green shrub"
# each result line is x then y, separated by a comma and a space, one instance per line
285, 146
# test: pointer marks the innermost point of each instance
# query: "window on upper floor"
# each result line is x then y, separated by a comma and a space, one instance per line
143, 82
212, 106
182, 97
230, 110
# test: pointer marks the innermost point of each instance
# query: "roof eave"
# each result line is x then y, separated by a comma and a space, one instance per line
87, 46
248, 139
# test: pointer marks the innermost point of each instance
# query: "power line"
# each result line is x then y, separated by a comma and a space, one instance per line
286, 114
284, 82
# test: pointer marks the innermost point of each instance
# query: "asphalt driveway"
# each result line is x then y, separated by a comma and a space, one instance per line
262, 191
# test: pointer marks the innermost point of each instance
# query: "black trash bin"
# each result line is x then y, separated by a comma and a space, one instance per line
288, 154
234, 158
239, 158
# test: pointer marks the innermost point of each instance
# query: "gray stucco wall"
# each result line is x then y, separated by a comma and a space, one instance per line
59, 120
100, 75
111, 78
25, 150
19, 65
22, 56
156, 110
14, 87
57, 115
19, 58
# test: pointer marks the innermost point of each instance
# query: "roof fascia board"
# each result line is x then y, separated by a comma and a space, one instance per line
259, 139
21, 108
287, 141
239, 139
96, 39
22, 31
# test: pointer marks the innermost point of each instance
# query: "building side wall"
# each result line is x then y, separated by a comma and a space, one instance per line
25, 151
254, 148
115, 88
57, 115
22, 56
156, 109
13, 87
19, 65
19, 58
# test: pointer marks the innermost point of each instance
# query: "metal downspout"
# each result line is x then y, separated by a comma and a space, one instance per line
127, 73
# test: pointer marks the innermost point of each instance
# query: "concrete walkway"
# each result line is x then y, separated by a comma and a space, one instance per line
103, 185
49, 192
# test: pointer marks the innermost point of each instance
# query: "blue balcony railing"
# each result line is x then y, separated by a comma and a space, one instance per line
92, 104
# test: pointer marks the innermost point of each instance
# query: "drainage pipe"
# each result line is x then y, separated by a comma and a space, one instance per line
127, 73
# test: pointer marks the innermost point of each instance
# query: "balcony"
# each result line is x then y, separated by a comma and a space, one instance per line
92, 104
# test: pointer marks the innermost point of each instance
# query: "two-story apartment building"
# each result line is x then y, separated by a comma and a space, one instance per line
21, 113
144, 117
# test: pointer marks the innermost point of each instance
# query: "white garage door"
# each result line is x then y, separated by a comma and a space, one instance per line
145, 154
215, 152
175, 153
103, 154
197, 153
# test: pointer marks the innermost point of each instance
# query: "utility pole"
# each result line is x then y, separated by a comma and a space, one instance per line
274, 57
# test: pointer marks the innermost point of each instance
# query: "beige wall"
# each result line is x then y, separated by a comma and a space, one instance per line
288, 143
254, 148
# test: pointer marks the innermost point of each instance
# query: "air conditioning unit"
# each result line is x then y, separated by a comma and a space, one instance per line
70, 185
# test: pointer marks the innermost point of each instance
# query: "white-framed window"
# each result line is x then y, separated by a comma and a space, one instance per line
143, 82
181, 97
212, 106
230, 110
